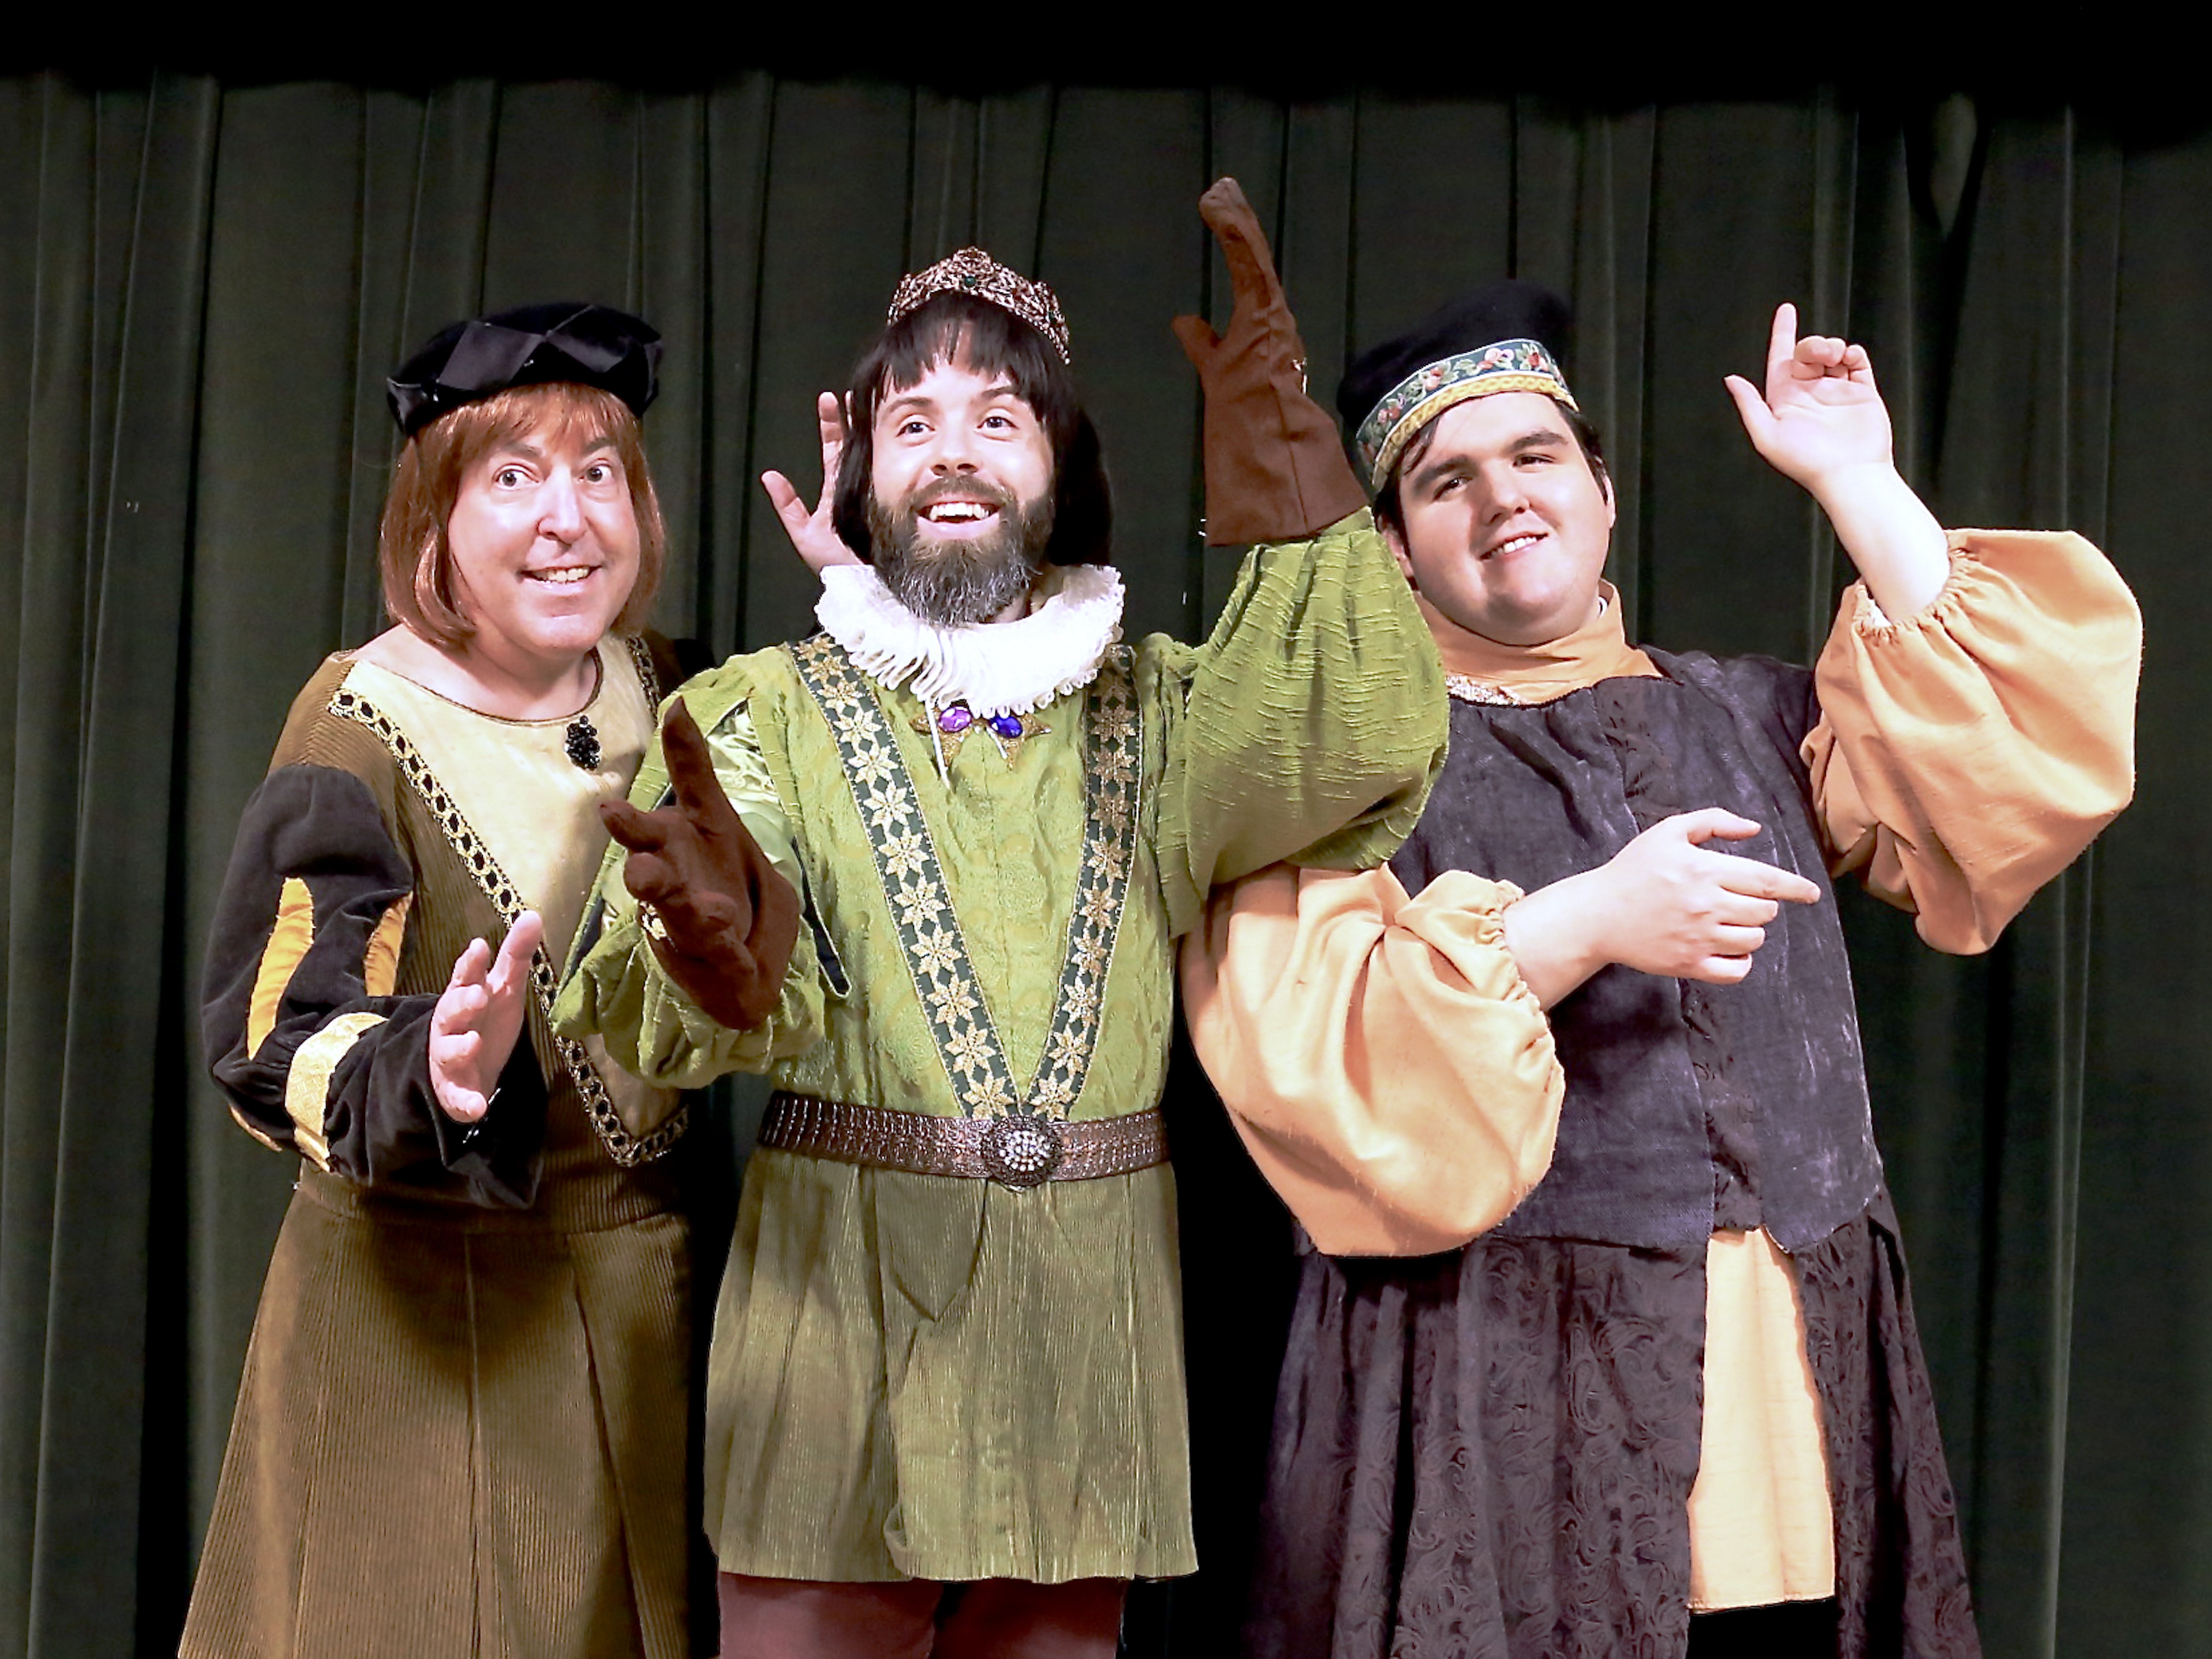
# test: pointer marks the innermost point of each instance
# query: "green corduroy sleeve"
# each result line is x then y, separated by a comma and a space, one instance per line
1308, 728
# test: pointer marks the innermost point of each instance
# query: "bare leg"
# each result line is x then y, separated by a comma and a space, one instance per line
794, 1619
1012, 1618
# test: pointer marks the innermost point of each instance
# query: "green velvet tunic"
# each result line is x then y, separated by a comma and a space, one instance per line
916, 1376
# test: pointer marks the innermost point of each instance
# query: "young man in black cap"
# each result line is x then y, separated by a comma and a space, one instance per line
1650, 1380
945, 1410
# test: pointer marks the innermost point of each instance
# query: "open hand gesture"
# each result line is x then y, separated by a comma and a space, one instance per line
721, 920
478, 1016
1820, 414
811, 532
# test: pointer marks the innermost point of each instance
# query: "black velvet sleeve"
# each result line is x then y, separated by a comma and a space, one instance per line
380, 1124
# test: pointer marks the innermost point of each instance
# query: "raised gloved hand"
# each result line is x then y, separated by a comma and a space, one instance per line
1275, 468
721, 920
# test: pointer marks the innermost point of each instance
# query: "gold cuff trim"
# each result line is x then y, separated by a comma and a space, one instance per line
257, 1132
307, 1089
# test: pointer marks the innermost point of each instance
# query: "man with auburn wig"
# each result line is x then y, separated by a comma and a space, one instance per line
1605, 1345
460, 1426
946, 1407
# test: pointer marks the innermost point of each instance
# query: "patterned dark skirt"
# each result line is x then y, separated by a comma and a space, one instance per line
1488, 1455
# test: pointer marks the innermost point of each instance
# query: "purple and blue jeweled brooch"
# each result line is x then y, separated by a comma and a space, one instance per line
956, 720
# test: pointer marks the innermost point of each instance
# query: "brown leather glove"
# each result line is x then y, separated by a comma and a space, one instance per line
721, 920
1275, 468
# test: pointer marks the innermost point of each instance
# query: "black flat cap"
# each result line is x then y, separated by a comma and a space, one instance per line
1509, 336
531, 345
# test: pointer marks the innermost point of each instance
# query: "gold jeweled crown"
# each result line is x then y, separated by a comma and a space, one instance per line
973, 272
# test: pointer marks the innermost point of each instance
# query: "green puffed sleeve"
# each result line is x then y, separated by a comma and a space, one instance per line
1308, 728
616, 987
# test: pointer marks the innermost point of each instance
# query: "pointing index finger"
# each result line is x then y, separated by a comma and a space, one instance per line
1756, 880
1243, 246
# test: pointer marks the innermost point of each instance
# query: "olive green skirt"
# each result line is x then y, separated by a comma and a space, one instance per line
458, 1434
923, 1376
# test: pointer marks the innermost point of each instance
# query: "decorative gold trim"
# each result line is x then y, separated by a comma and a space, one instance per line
914, 892
289, 941
257, 1132
1468, 689
648, 678
1502, 365
626, 1148
948, 743
307, 1084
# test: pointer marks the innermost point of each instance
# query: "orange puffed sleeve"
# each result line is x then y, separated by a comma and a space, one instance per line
1965, 756
1388, 1070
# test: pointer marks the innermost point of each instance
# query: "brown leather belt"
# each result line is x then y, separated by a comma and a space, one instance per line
1016, 1151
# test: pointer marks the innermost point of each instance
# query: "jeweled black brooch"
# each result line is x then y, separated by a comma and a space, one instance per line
583, 743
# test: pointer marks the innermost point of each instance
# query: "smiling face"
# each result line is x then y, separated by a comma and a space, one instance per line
960, 496
543, 542
1505, 523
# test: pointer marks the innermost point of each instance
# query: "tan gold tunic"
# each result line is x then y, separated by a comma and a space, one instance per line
461, 1427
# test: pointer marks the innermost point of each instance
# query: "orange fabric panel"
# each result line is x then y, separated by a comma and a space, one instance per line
1761, 1530
1391, 1073
1967, 754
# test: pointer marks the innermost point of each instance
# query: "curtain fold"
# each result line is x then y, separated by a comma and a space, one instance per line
203, 284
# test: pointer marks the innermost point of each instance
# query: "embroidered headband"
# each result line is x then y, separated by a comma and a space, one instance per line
1508, 336
1505, 366
974, 272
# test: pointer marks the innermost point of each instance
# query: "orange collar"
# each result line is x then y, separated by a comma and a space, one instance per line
1598, 650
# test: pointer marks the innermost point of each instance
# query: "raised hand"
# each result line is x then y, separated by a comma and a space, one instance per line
1822, 423
478, 1016
1275, 468
1665, 904
721, 920
1821, 412
1256, 292
811, 531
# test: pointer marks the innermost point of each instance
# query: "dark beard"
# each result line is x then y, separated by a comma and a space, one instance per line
954, 583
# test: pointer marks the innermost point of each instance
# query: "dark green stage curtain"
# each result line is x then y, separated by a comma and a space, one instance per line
202, 284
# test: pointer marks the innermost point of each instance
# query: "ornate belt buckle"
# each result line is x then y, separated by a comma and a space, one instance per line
1022, 1150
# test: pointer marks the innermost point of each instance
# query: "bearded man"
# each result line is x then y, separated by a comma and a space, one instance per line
1605, 1345
946, 1409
